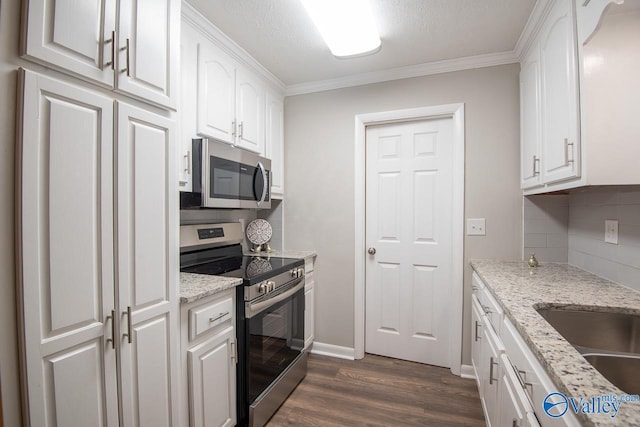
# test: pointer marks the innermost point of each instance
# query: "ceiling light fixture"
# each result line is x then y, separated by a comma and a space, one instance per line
347, 26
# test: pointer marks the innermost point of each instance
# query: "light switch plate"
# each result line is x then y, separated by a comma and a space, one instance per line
476, 227
611, 231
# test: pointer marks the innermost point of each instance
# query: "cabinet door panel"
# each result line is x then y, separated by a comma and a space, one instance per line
275, 143
212, 382
66, 254
559, 96
151, 28
147, 274
530, 120
73, 35
250, 112
216, 94
309, 313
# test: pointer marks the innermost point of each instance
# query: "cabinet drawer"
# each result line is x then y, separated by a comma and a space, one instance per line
208, 316
490, 306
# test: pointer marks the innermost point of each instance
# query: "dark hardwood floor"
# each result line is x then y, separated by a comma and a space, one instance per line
379, 391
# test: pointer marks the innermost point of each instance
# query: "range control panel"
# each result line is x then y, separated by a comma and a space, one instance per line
210, 233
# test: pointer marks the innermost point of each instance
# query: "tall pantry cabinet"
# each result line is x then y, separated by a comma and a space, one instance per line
97, 243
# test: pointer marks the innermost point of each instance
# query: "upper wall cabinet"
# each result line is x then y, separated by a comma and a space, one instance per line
549, 103
586, 130
230, 101
275, 142
134, 54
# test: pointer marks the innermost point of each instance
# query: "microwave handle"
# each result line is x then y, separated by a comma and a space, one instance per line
265, 182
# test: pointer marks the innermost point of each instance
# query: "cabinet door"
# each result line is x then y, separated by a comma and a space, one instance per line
309, 311
530, 125
560, 142
491, 367
148, 43
477, 341
65, 258
250, 115
275, 142
513, 402
216, 94
75, 36
147, 267
212, 381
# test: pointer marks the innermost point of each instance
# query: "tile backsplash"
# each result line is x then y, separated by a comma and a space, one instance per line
545, 227
588, 210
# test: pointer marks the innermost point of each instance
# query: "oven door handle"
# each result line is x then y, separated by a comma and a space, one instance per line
253, 309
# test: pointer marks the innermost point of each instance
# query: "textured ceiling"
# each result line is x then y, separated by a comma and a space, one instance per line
280, 35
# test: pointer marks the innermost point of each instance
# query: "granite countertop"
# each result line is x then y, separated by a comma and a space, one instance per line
521, 290
197, 286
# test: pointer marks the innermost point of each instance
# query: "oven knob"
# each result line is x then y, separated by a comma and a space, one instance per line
263, 288
294, 273
301, 272
271, 285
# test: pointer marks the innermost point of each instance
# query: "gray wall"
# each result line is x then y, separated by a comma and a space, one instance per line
9, 20
588, 209
546, 227
319, 159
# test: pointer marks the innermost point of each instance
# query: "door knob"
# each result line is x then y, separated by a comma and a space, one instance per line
372, 251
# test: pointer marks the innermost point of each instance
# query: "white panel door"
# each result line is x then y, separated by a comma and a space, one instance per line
409, 187
147, 267
216, 95
560, 144
66, 256
74, 35
250, 104
212, 381
149, 42
530, 125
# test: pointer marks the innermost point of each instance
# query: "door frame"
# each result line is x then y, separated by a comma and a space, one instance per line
456, 113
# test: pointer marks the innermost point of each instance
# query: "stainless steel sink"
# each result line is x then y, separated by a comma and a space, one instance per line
610, 342
622, 371
596, 330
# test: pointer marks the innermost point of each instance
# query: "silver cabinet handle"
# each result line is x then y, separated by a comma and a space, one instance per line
112, 318
234, 352
241, 129
128, 334
220, 316
187, 166
476, 330
536, 161
372, 251
566, 151
233, 129
491, 363
126, 70
112, 40
486, 309
522, 379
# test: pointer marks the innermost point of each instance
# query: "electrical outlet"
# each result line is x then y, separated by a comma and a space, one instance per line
476, 227
611, 231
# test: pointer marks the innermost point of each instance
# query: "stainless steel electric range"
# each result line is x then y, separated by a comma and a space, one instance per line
270, 315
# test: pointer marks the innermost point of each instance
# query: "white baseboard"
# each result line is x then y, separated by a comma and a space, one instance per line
333, 350
466, 371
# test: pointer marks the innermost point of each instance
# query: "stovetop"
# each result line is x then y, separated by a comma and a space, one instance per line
230, 262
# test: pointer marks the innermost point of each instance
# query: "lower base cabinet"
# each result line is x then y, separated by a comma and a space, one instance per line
511, 382
209, 355
309, 303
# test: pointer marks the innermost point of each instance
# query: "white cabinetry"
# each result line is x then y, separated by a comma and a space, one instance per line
79, 308
230, 101
550, 142
559, 87
209, 361
130, 46
511, 382
309, 304
275, 142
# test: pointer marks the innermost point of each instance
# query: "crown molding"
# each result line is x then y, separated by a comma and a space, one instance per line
531, 29
429, 68
194, 18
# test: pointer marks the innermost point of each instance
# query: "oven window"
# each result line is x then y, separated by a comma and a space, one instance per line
276, 338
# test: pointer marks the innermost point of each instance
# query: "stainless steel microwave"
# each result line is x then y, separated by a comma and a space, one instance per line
224, 176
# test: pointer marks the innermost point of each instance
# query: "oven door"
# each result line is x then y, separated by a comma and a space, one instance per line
275, 337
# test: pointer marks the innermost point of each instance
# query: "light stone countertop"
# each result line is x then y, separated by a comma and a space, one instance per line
521, 290
197, 286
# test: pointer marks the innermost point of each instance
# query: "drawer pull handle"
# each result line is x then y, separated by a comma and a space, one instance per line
522, 379
491, 363
220, 316
476, 333
487, 310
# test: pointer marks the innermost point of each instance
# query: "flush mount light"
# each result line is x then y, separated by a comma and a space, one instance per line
347, 26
